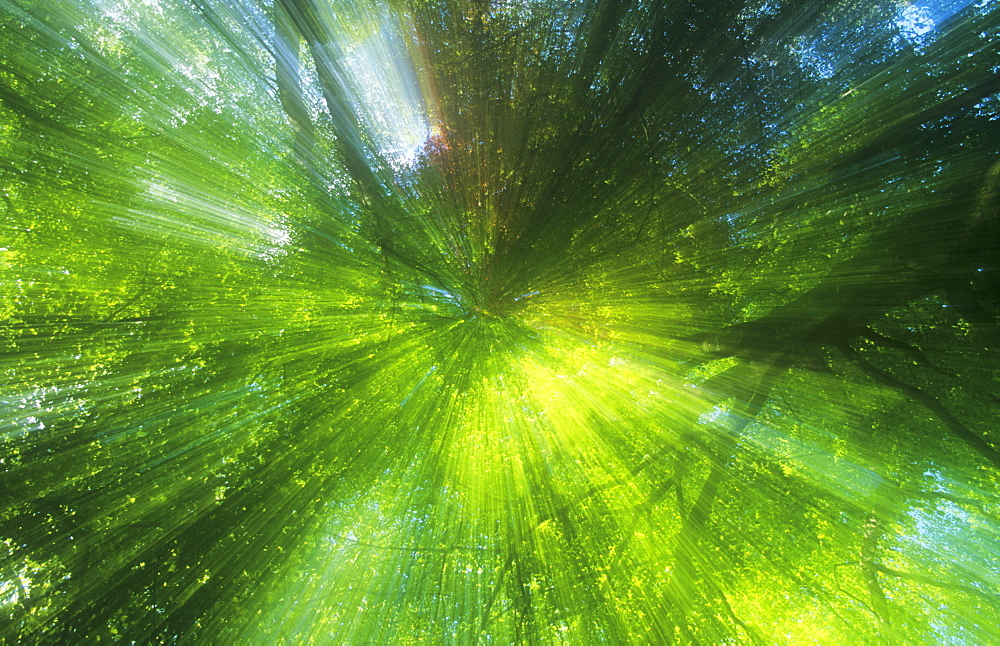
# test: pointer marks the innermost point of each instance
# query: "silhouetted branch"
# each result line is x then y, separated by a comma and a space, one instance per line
932, 404
931, 581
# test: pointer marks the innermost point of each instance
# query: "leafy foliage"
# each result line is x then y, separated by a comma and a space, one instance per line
460, 321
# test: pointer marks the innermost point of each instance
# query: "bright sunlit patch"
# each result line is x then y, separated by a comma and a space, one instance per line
918, 20
915, 22
388, 93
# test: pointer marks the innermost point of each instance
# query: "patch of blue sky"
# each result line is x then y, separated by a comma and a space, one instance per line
919, 22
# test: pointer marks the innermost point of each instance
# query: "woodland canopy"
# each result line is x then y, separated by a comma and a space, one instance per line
499, 322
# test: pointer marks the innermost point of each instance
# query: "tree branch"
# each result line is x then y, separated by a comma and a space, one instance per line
959, 429
931, 581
